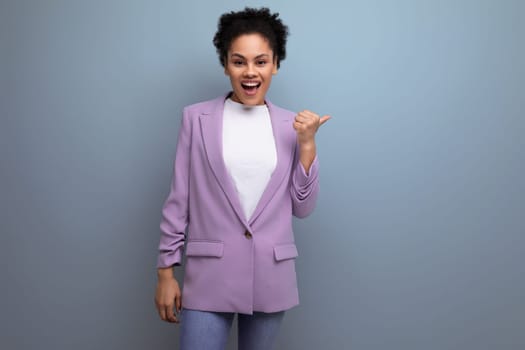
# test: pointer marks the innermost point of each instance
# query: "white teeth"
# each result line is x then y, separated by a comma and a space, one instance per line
250, 84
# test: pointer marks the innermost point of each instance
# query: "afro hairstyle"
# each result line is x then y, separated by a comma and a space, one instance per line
251, 21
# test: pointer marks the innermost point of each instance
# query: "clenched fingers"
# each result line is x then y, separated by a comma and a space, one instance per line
307, 122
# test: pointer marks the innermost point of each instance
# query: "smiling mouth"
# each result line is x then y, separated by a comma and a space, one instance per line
250, 88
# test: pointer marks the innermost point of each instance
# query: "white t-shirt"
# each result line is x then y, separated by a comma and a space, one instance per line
248, 148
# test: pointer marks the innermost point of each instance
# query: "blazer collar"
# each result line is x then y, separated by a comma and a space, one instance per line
211, 128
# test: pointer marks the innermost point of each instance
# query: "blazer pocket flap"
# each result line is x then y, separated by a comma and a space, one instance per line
285, 251
203, 248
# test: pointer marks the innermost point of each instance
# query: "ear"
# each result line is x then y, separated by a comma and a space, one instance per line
275, 62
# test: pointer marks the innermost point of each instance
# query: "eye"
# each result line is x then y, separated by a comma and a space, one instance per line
261, 62
237, 63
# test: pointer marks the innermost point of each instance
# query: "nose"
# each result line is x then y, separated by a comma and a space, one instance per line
250, 70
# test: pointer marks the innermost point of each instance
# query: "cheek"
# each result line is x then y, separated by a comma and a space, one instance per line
233, 78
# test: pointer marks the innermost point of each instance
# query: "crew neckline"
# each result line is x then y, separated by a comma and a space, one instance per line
242, 107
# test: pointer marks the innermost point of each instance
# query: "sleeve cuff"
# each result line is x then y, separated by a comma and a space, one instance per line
302, 178
168, 259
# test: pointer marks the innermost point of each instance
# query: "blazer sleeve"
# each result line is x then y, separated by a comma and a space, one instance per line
175, 212
305, 187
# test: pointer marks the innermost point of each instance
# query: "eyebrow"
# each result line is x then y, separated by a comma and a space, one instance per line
256, 57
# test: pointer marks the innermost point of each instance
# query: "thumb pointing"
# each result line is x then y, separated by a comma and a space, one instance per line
324, 119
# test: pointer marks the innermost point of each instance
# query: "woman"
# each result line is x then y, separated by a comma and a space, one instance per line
243, 167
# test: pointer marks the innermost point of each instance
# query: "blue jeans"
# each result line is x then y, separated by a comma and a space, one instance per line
203, 330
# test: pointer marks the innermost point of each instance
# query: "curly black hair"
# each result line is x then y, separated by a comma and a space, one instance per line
251, 20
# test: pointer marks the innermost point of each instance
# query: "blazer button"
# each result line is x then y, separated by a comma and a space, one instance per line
247, 234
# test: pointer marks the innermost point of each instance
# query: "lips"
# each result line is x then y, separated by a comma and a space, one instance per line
250, 87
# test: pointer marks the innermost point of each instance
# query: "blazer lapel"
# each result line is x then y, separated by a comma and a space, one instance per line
211, 128
280, 124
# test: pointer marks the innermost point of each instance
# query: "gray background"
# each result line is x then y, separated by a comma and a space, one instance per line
418, 239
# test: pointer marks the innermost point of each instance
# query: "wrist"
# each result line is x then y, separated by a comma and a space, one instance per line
165, 272
307, 145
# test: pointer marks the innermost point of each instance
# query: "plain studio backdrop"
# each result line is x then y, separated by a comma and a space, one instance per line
418, 239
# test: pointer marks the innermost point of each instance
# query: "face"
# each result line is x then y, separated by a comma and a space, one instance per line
250, 65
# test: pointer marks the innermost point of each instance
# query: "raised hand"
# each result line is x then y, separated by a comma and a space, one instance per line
306, 124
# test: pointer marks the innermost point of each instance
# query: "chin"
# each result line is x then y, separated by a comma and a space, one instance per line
248, 100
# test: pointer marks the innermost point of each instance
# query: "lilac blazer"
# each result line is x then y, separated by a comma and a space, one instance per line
233, 264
